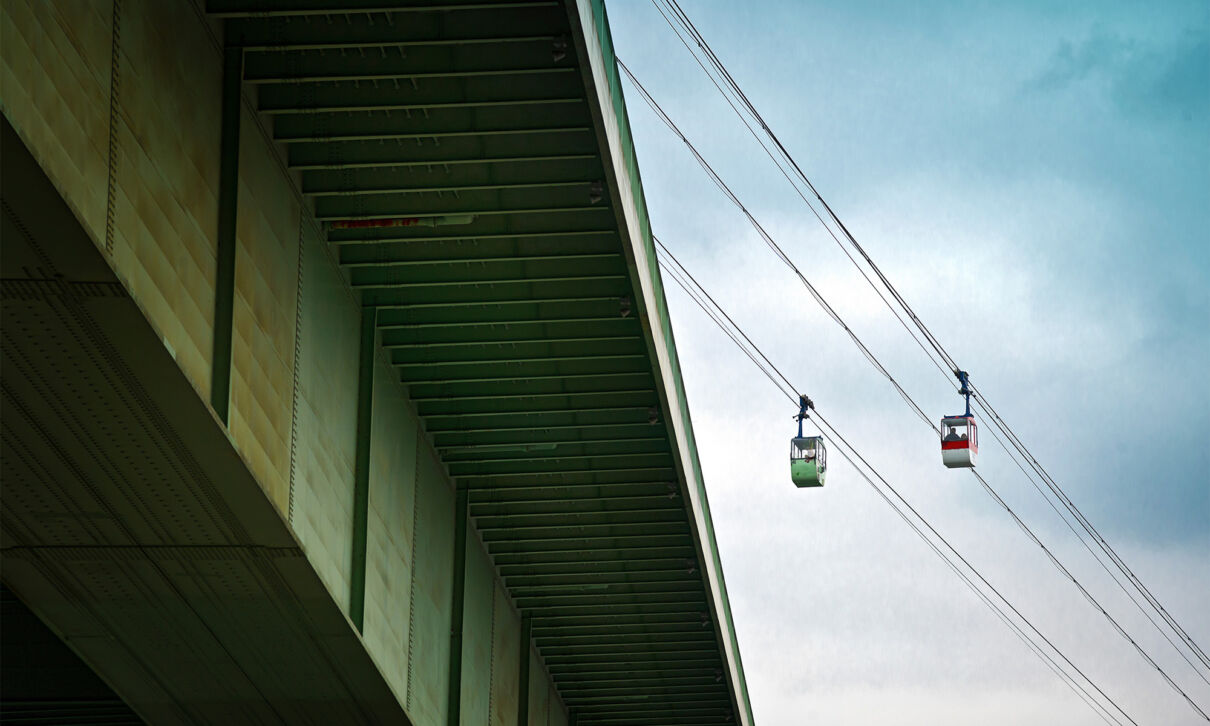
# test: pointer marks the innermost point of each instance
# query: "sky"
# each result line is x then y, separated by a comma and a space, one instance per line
1034, 178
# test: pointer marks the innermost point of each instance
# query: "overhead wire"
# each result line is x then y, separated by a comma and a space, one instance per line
868, 354
717, 314
690, 29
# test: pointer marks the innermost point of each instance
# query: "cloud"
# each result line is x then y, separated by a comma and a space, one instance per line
1148, 81
1042, 207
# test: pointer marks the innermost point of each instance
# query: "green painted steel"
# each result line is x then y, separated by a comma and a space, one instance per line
361, 465
457, 604
523, 670
523, 338
228, 198
601, 23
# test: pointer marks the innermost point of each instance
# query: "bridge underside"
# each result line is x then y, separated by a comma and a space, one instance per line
469, 167
129, 518
456, 162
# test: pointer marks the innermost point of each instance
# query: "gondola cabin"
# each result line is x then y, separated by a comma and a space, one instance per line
959, 442
808, 461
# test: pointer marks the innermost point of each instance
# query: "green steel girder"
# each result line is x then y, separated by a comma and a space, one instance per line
452, 150
557, 633
532, 582
450, 186
506, 369
508, 522
689, 688
674, 687
543, 394
303, 8
512, 320
500, 312
658, 719
465, 470
591, 332
617, 687
634, 662
631, 404
488, 227
422, 61
573, 450
388, 75
561, 506
530, 367
437, 125
574, 556
631, 707
610, 567
689, 717
598, 572
545, 533
486, 291
562, 591
539, 411
564, 198
445, 350
605, 681
442, 170
518, 89
630, 703
452, 251
659, 643
540, 418
356, 27
575, 493
519, 352
461, 273
602, 543
654, 616
570, 477
658, 652
542, 434
255, 41
476, 473
384, 256
558, 393
549, 445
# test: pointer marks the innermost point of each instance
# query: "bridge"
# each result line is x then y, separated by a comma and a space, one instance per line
338, 380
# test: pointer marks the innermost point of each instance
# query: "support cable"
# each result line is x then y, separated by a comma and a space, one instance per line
717, 314
772, 244
687, 26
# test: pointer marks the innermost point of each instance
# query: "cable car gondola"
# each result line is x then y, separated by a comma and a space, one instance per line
808, 457
959, 434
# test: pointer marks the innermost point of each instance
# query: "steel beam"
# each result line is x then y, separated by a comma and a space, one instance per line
361, 466
261, 9
471, 237
454, 707
434, 134
228, 198
432, 262
287, 45
523, 672
283, 108
389, 76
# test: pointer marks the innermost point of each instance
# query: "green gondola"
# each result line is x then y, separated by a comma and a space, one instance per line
808, 463
808, 456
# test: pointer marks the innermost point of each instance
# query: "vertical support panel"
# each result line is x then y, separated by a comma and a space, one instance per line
228, 196
523, 672
454, 713
361, 465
